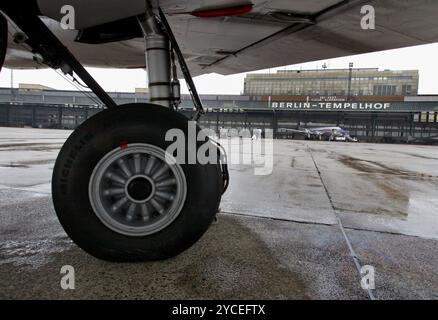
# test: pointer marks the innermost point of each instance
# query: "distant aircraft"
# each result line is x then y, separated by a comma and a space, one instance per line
322, 133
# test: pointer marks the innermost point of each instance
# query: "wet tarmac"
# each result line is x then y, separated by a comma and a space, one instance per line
301, 232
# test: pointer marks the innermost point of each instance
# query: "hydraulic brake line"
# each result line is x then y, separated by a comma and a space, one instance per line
183, 65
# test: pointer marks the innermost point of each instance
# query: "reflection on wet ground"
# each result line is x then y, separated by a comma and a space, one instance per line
399, 191
35, 146
390, 187
393, 186
375, 167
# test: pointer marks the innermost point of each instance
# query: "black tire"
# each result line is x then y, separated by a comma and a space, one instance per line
88, 144
3, 40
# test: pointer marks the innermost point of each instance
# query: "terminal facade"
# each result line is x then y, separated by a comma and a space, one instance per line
333, 82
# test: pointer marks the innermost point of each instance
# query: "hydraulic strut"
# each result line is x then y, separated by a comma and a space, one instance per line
184, 68
157, 60
161, 49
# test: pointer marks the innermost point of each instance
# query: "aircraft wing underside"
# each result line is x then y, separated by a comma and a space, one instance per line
266, 34
258, 42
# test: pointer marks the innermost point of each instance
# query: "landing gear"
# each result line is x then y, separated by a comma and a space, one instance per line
119, 199
116, 191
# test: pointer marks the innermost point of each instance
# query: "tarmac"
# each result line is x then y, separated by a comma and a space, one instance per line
304, 231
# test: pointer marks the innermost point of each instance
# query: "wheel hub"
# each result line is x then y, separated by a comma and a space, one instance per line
140, 189
135, 191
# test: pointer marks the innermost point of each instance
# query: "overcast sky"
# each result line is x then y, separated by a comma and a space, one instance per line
423, 58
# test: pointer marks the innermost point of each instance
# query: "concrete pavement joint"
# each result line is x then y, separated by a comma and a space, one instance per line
274, 219
249, 215
356, 260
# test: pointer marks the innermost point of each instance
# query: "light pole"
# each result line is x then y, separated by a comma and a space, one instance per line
349, 81
12, 85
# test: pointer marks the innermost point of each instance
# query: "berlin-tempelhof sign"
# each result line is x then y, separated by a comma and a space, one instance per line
370, 106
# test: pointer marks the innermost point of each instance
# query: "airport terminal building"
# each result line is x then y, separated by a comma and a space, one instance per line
333, 82
369, 117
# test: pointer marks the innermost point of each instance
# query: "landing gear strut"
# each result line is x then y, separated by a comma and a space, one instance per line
116, 191
158, 35
157, 61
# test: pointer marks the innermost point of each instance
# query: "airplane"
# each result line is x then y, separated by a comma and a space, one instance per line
113, 192
322, 133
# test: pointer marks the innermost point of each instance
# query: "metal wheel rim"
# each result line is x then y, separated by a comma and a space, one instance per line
112, 197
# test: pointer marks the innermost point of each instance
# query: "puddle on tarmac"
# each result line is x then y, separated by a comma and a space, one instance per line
368, 166
385, 197
393, 199
30, 146
13, 165
31, 254
26, 164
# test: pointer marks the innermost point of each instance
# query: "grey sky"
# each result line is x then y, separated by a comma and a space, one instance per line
422, 58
